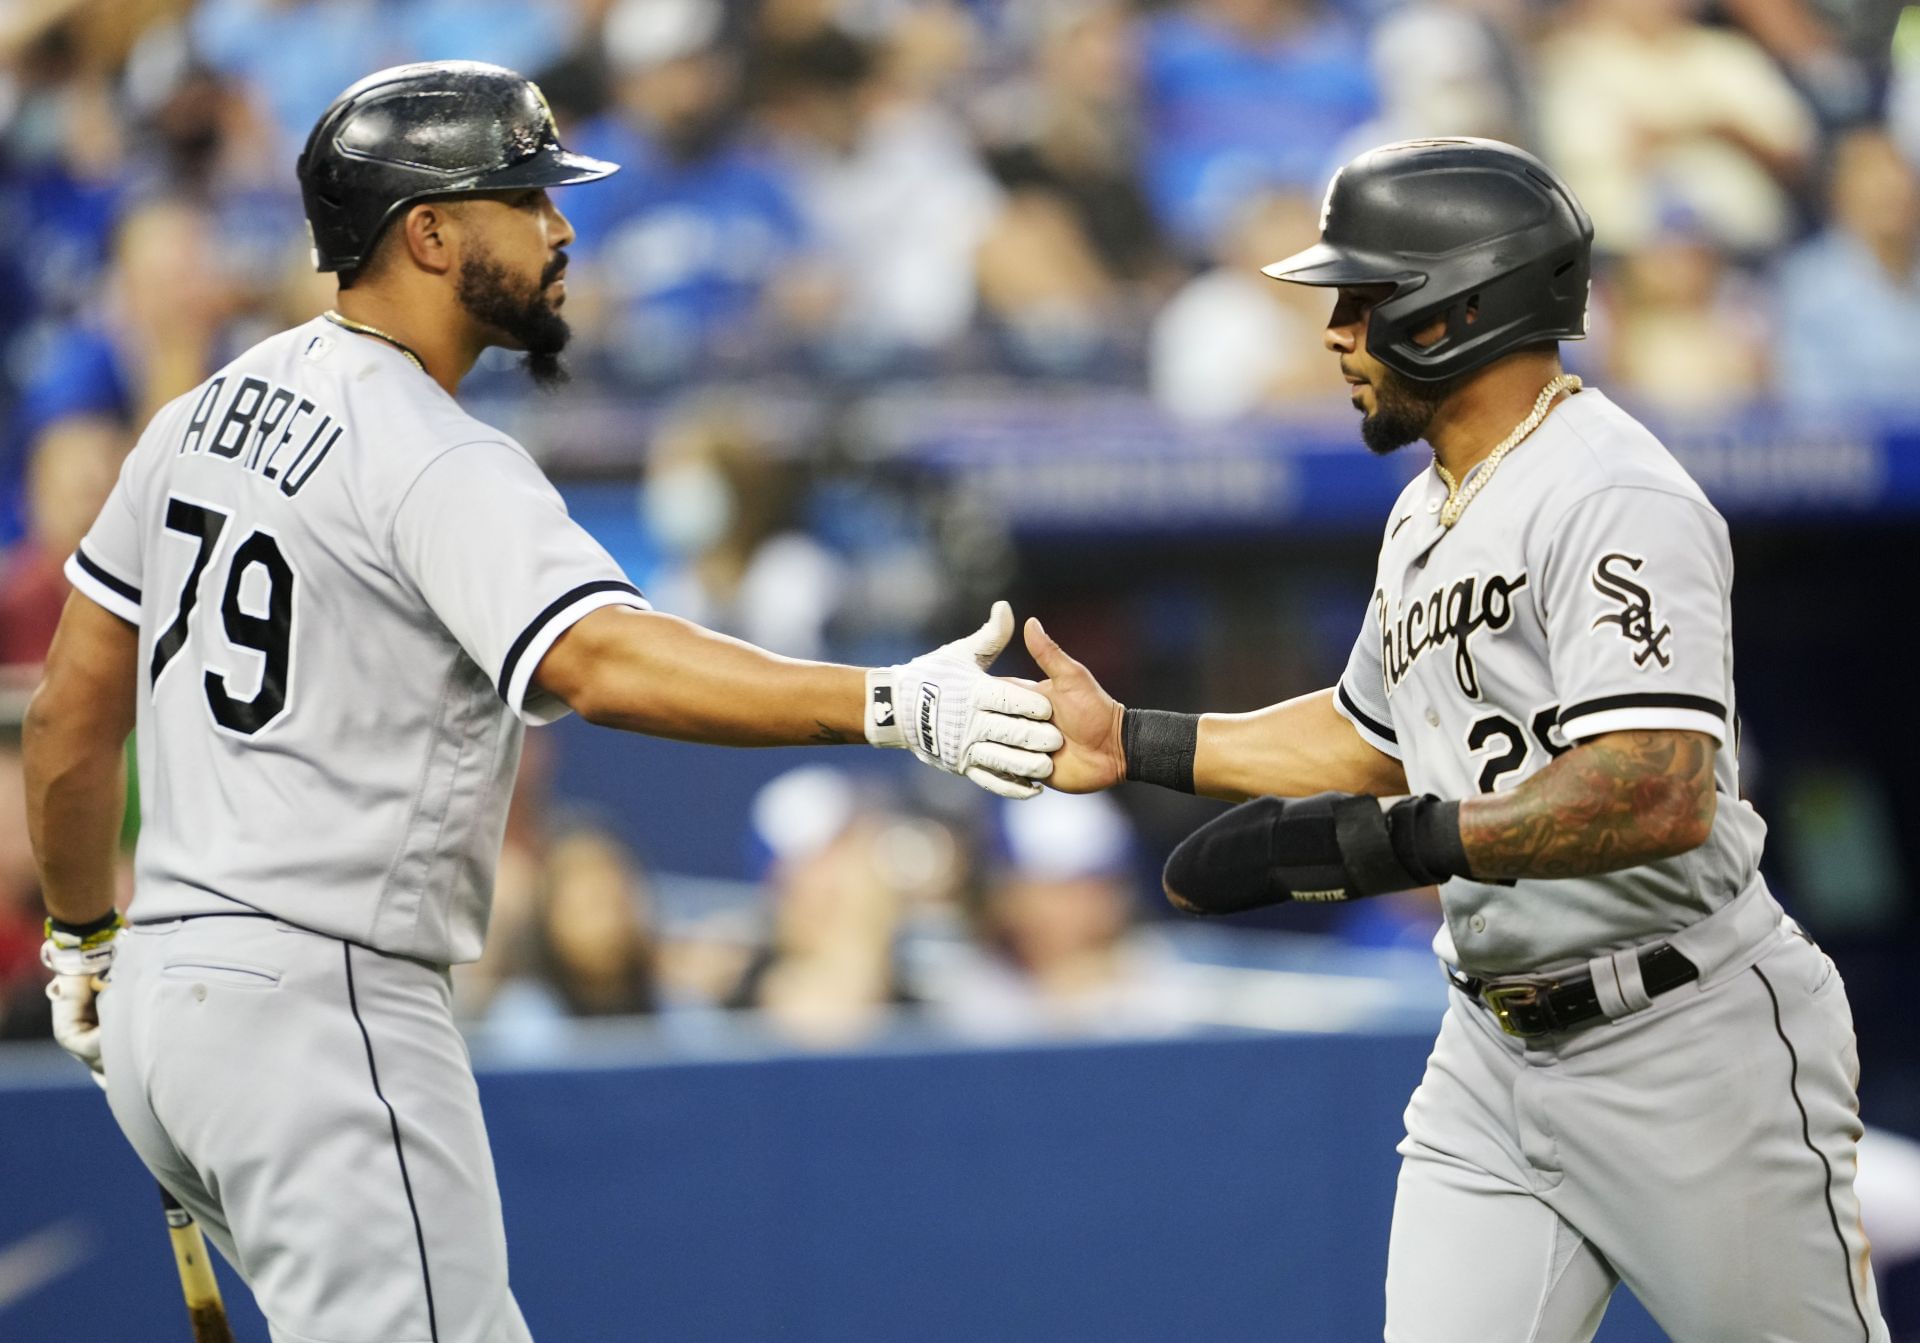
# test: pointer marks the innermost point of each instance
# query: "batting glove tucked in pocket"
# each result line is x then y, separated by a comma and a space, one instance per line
946, 709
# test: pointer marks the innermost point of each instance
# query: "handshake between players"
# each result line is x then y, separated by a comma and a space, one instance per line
326, 755
1357, 840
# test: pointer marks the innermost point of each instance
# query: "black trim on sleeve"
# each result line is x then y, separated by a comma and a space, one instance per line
539, 622
105, 579
399, 1152
1376, 728
1651, 700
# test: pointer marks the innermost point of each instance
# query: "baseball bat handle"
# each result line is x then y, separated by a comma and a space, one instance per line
205, 1310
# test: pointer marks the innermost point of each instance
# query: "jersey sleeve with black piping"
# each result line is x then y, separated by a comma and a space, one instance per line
1361, 696
1635, 589
105, 566
487, 541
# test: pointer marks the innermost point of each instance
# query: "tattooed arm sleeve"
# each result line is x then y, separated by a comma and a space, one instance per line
1615, 801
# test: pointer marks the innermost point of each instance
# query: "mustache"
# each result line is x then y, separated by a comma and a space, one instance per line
555, 269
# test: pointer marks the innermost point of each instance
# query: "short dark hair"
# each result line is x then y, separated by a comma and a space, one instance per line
375, 257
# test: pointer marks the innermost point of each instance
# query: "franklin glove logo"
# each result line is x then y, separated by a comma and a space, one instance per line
926, 722
1635, 618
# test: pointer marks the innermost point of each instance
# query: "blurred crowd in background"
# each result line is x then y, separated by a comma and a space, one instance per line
872, 909
865, 190
829, 207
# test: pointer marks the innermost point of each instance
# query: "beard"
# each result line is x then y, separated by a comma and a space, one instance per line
493, 297
1402, 410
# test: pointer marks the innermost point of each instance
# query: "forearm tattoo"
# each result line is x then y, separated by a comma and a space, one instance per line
828, 736
1615, 802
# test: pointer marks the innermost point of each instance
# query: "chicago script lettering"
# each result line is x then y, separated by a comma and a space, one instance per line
1450, 614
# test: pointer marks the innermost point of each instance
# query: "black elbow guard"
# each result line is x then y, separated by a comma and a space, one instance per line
1333, 846
1226, 866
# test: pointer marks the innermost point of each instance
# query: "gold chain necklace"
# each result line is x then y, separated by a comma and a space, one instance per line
363, 329
1459, 497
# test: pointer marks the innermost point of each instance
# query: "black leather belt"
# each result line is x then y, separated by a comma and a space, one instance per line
1535, 1005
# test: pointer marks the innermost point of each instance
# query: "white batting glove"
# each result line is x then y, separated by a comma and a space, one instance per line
946, 709
80, 965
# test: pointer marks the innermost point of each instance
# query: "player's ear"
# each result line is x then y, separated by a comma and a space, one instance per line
427, 232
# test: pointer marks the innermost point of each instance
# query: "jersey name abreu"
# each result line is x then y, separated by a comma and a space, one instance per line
259, 425
343, 585
1586, 590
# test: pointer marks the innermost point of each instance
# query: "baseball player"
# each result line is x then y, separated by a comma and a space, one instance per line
330, 599
1646, 1073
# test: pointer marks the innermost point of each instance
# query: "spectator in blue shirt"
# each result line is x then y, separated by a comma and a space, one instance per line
1243, 95
64, 169
156, 332
296, 56
524, 35
684, 240
1850, 298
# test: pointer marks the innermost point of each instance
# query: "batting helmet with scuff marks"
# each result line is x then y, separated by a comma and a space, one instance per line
417, 132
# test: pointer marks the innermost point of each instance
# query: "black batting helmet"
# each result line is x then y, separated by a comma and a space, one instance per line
1453, 225
414, 132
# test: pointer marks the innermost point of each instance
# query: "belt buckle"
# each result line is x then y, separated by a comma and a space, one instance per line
1522, 1007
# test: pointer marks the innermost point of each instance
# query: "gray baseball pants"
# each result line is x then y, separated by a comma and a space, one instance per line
1700, 1150
312, 1104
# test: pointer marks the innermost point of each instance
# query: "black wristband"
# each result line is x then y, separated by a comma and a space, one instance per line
83, 930
1159, 746
1426, 837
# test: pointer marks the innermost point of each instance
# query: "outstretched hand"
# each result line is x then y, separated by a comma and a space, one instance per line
954, 716
1087, 716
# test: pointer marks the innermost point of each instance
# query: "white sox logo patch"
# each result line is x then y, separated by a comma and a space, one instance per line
1451, 614
1635, 618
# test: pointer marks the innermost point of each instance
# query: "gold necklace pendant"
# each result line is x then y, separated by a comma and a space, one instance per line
1459, 495
364, 329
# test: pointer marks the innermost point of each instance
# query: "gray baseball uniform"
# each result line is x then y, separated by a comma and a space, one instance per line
343, 585
1698, 1145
